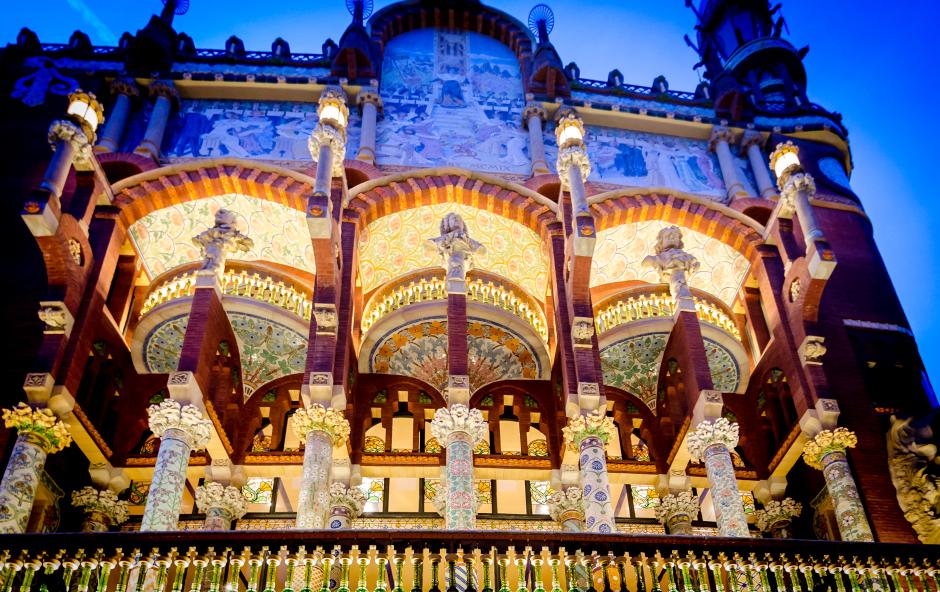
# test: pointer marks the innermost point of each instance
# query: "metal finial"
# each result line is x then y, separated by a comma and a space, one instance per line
360, 9
541, 21
180, 7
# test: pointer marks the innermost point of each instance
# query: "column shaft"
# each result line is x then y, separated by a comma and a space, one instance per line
59, 166
761, 173
579, 203
169, 480
850, 514
537, 146
598, 512
729, 510
96, 521
728, 171
367, 135
679, 524
571, 525
324, 170
110, 138
19, 484
804, 211
218, 519
339, 517
314, 502
156, 127
461, 505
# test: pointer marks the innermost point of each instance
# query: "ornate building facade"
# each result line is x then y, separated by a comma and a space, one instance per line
430, 310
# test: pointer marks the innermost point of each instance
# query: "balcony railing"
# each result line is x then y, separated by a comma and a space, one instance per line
653, 303
234, 282
430, 287
425, 561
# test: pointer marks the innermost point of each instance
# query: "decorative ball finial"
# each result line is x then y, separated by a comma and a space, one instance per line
541, 21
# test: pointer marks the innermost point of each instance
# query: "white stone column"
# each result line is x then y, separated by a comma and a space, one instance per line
321, 428
674, 266
165, 98
533, 117
102, 508
826, 452
795, 196
222, 504
40, 434
719, 142
776, 516
751, 143
588, 436
712, 441
124, 90
676, 511
567, 508
181, 428
459, 429
346, 505
370, 106
71, 145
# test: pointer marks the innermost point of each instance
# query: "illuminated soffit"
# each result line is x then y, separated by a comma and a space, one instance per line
163, 238
620, 250
397, 244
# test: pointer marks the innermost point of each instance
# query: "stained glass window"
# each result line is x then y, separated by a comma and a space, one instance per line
258, 490
541, 491
538, 447
374, 490
747, 498
645, 496
138, 493
432, 446
641, 452
373, 444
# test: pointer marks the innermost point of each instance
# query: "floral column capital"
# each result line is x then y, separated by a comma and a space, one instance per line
567, 505
39, 426
188, 419
708, 433
776, 511
318, 418
350, 498
458, 421
677, 504
825, 442
103, 501
227, 497
579, 428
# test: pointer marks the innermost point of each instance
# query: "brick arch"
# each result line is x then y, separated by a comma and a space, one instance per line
385, 196
160, 188
711, 219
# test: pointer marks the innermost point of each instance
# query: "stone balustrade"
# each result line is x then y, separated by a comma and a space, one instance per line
653, 302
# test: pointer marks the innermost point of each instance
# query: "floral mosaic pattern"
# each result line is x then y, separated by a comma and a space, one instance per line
258, 490
632, 364
598, 513
726, 499
164, 238
314, 499
540, 492
538, 447
166, 489
398, 243
620, 250
420, 350
268, 351
373, 445
20, 482
849, 511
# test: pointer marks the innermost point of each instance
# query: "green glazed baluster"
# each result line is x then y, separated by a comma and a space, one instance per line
49, 568
837, 576
733, 582
671, 577
179, 578
895, 579
215, 574
622, 572
654, 576
907, 578
380, 586
344, 563
235, 562
778, 576
701, 574
435, 568
605, 572
273, 562
361, 584
9, 574
399, 563
452, 573
85, 577
163, 572
142, 572
487, 584
417, 571
640, 577
31, 568
521, 584
554, 562
254, 573
291, 567
589, 567
764, 580
471, 573
569, 576
792, 572
308, 575
537, 569
716, 575
70, 567
686, 577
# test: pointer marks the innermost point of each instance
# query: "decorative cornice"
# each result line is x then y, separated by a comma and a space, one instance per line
776, 511
458, 419
596, 424
567, 505
826, 441
102, 501
39, 426
709, 433
318, 418
227, 497
170, 414
677, 504
350, 498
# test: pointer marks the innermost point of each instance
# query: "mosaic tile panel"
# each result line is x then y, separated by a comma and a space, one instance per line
397, 244
620, 250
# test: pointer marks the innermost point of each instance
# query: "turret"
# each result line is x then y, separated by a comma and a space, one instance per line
355, 58
548, 75
154, 46
749, 66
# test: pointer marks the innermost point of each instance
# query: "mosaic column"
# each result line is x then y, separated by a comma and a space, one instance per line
181, 428
567, 508
124, 90
826, 452
102, 508
370, 106
751, 143
676, 512
327, 142
321, 429
346, 505
712, 442
532, 118
459, 428
588, 435
776, 517
165, 97
40, 434
222, 504
719, 143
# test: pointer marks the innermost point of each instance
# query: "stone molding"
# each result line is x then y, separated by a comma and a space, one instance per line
917, 486
40, 426
213, 494
350, 498
71, 133
677, 504
326, 317
580, 427
752, 138
370, 96
825, 442
458, 419
56, 317
125, 86
104, 501
533, 109
709, 433
165, 89
567, 505
582, 332
318, 418
776, 511
188, 419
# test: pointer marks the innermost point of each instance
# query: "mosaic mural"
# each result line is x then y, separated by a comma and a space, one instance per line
620, 250
398, 243
263, 130
164, 238
420, 350
632, 364
452, 98
269, 350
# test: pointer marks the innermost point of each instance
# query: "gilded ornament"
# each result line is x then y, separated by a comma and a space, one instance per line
826, 441
596, 424
41, 423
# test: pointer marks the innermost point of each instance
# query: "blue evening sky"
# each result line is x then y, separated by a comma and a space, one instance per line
875, 62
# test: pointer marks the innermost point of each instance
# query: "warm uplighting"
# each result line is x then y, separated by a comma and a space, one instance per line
86, 111
332, 109
784, 158
569, 130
